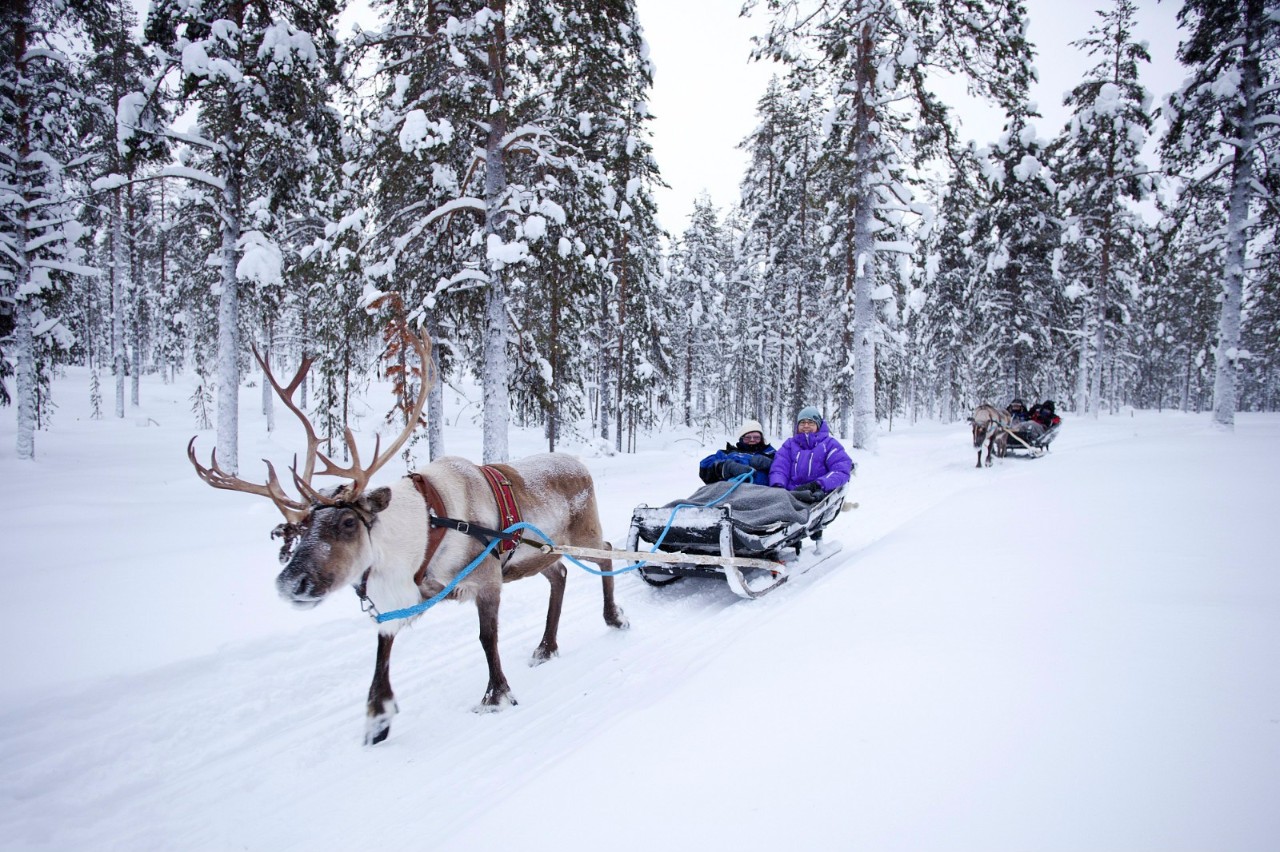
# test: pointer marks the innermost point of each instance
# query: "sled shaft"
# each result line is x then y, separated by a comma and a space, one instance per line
661, 556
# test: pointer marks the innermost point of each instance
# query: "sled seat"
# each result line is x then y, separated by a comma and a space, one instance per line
761, 521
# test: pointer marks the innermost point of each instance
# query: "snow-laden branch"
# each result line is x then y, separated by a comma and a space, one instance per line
466, 202
115, 181
64, 266
525, 131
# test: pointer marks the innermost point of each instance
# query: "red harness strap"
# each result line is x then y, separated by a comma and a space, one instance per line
508, 510
435, 507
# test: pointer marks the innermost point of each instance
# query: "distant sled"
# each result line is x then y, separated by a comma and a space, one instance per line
755, 539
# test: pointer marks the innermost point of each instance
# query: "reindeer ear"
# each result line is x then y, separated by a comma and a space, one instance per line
377, 499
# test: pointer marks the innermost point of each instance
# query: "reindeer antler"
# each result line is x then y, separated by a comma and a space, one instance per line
296, 511
359, 475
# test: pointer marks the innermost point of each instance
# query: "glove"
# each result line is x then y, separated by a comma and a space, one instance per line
810, 492
731, 469
761, 463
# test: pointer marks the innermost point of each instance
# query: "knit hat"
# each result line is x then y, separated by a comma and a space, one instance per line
810, 413
752, 426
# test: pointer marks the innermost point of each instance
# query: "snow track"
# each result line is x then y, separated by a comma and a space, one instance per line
256, 744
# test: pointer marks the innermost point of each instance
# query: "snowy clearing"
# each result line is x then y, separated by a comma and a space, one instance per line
1075, 652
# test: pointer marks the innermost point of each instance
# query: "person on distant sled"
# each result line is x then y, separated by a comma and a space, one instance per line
751, 454
1045, 415
1039, 426
812, 462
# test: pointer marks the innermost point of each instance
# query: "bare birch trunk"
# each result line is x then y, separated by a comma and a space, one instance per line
1227, 354
228, 371
497, 407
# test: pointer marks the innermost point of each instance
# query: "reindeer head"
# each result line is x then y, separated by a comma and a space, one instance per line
326, 533
979, 431
332, 547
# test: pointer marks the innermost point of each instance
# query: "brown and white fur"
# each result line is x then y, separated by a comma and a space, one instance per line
989, 424
385, 534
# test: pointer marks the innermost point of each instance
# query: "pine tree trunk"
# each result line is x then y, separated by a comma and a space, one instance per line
119, 268
622, 336
268, 408
25, 366
435, 401
135, 287
1082, 366
1100, 325
23, 340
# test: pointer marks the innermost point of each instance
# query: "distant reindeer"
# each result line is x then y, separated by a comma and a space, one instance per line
399, 545
989, 424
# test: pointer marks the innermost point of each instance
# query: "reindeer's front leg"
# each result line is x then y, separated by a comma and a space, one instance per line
382, 703
498, 694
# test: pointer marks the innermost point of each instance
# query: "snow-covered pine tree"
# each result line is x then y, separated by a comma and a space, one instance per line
590, 228
960, 359
42, 108
418, 134
783, 216
1101, 175
1182, 301
1222, 121
463, 76
699, 272
257, 76
604, 83
1021, 232
875, 60
1259, 379
117, 68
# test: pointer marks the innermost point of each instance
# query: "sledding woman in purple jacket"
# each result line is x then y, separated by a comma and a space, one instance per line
811, 462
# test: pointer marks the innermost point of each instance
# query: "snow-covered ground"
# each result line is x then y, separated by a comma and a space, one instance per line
1076, 652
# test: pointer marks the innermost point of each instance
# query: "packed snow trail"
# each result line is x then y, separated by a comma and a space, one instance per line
1077, 651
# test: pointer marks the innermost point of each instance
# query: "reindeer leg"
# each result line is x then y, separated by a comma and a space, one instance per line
382, 703
498, 694
547, 648
613, 614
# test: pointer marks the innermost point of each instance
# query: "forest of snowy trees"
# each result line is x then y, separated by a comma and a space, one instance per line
232, 174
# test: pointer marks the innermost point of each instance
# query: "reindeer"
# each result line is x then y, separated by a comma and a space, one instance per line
401, 544
989, 426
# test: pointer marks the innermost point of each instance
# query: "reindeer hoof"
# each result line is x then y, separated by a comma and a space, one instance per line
617, 619
495, 700
378, 724
543, 653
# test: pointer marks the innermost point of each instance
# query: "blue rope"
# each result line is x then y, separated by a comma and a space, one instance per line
411, 611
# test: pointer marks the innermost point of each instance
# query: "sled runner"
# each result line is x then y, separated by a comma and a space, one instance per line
753, 539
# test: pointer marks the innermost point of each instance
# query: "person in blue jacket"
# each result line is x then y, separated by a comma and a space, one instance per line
811, 462
751, 454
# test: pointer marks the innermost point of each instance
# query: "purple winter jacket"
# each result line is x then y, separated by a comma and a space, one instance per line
817, 457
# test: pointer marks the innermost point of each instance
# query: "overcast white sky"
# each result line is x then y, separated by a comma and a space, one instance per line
705, 90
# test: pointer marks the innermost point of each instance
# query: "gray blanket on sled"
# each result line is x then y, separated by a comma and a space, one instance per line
754, 506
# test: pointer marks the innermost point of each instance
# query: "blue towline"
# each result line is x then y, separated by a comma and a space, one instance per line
410, 611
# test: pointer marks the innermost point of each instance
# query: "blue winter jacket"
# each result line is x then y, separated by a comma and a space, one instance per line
816, 457
709, 467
